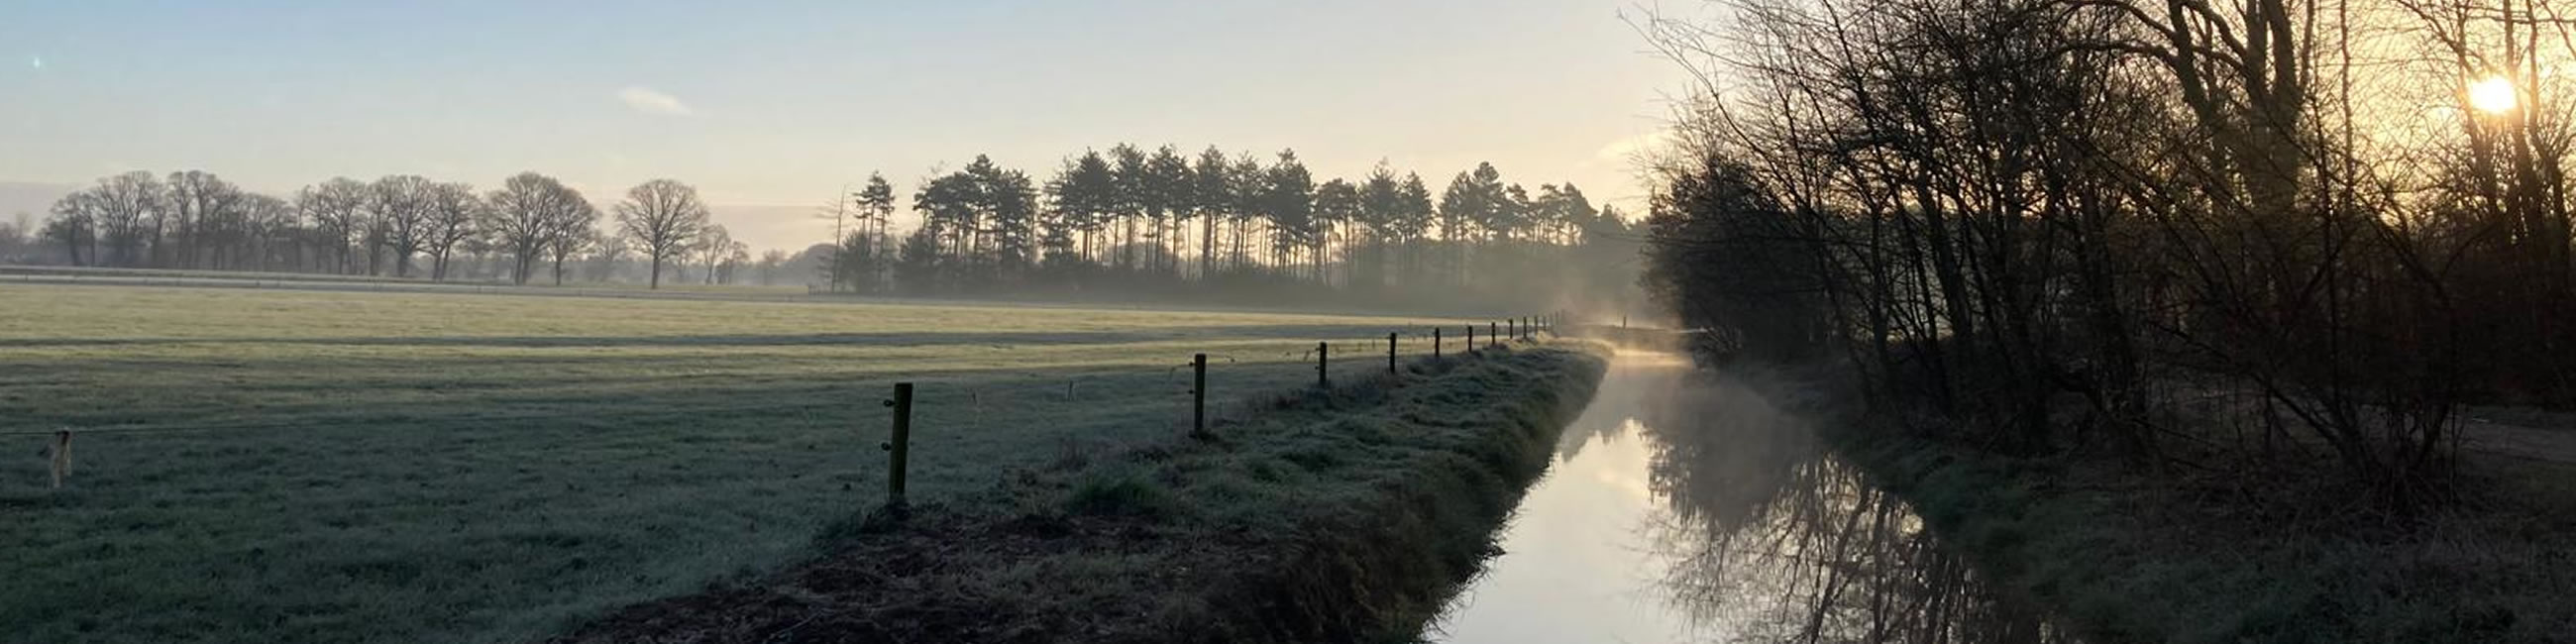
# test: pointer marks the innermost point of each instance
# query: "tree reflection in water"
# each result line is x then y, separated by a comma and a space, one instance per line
1767, 538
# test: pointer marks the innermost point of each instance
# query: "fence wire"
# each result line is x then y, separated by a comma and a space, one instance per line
1361, 352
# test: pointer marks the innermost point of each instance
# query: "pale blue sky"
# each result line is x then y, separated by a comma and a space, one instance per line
779, 103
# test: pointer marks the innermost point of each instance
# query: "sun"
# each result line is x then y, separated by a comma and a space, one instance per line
2492, 95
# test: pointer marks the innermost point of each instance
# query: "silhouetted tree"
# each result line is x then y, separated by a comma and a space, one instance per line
200, 206
571, 230
402, 203
1169, 201
1013, 202
1337, 208
338, 207
1131, 189
918, 270
453, 209
1211, 195
1083, 193
527, 215
1250, 187
869, 251
1287, 201
1996, 207
663, 217
75, 225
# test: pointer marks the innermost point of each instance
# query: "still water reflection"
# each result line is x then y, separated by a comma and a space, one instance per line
1685, 507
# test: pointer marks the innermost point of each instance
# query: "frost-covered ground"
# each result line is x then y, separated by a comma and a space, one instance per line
337, 466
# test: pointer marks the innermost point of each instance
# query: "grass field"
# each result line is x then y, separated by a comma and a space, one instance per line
1348, 515
329, 466
96, 276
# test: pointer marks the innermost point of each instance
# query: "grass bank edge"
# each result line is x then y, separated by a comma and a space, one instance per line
2115, 553
1344, 515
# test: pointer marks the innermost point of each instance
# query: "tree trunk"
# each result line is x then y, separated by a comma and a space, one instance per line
1207, 244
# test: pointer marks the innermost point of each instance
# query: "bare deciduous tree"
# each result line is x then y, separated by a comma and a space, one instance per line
453, 209
663, 217
338, 208
1995, 206
401, 203
711, 246
571, 230
527, 213
201, 211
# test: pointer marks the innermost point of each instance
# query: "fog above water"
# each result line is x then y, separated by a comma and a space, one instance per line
1686, 506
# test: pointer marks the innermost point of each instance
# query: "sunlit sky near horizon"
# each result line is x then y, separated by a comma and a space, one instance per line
769, 107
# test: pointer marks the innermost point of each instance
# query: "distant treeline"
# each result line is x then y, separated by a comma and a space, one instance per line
196, 220
1128, 223
1136, 220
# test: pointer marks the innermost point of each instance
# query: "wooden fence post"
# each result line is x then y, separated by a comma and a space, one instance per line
1491, 337
1323, 378
62, 456
900, 447
1435, 343
1390, 352
1198, 396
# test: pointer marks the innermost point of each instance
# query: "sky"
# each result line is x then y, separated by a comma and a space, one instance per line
769, 108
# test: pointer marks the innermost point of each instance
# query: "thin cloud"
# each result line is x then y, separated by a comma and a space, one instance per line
1629, 149
652, 101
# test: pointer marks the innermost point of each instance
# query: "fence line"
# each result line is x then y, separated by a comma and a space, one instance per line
903, 403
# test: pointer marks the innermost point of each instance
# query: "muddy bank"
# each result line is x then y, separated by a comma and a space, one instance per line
1336, 516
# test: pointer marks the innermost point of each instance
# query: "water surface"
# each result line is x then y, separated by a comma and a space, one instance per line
1686, 507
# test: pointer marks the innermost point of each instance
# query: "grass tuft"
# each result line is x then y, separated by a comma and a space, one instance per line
1121, 492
